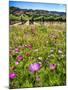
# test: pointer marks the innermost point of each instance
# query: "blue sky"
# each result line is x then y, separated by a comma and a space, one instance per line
41, 6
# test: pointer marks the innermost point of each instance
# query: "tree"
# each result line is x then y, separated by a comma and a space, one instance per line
31, 21
21, 20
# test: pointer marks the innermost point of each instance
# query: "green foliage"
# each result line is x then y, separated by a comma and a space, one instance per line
48, 47
14, 18
26, 17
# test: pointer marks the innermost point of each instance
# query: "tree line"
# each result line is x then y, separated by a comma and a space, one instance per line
35, 18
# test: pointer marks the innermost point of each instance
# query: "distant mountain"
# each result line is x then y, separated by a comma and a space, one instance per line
57, 13
18, 11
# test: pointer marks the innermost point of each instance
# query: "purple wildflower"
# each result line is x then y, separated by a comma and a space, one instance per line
16, 50
34, 67
52, 66
12, 75
17, 63
20, 57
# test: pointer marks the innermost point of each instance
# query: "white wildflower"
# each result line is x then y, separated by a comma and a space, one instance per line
40, 58
59, 51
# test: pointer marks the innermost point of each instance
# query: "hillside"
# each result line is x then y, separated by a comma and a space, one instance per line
15, 10
16, 14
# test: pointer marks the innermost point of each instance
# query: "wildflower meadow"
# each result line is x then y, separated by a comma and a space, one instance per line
37, 54
37, 60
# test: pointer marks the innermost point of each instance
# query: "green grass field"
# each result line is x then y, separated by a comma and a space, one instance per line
41, 44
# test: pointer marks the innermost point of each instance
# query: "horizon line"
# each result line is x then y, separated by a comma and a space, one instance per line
38, 9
